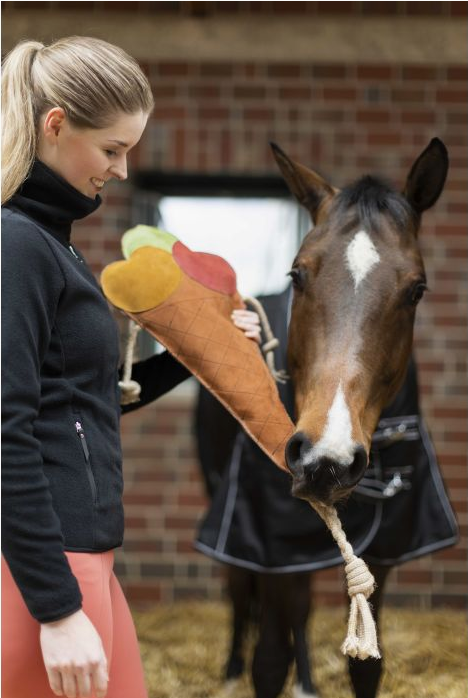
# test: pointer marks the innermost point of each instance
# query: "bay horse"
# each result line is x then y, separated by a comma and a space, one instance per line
357, 279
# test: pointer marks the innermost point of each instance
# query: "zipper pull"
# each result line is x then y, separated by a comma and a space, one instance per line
81, 434
70, 247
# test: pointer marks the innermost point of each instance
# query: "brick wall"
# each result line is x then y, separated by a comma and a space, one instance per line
342, 119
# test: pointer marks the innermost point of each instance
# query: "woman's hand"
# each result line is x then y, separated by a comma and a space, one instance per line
74, 657
249, 322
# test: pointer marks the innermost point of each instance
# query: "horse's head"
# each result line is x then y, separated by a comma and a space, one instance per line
357, 278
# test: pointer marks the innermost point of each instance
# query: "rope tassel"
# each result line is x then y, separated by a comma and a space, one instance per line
361, 641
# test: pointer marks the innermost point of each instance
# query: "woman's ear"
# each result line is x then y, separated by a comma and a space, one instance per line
53, 123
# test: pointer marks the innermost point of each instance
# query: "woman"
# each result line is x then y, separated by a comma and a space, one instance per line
71, 112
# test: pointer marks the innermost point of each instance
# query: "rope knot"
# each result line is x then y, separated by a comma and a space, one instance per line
272, 344
359, 578
130, 392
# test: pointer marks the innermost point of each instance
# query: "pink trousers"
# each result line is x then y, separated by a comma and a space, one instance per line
23, 671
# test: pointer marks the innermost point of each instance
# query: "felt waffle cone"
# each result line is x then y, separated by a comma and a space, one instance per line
191, 317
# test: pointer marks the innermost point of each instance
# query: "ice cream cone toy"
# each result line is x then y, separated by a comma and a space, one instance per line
185, 299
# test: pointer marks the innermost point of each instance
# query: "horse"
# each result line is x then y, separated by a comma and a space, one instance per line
357, 280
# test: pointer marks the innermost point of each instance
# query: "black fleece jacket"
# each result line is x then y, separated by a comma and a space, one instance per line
61, 456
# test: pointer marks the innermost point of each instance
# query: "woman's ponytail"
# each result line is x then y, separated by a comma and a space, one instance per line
19, 127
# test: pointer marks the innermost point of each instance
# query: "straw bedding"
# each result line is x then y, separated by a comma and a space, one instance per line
184, 648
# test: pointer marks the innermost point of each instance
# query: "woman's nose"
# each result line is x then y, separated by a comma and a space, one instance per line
119, 169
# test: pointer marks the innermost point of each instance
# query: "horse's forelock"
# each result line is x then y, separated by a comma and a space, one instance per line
369, 198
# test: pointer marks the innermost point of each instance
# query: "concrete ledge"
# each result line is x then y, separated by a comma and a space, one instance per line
438, 40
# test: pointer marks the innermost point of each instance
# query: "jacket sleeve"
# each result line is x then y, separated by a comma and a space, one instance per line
32, 541
157, 376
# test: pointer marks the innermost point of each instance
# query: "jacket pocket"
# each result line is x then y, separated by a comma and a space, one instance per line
84, 445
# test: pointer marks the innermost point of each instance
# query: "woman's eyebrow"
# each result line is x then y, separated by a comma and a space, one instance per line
114, 140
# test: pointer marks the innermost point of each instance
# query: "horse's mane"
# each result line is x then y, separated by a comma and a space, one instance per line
371, 197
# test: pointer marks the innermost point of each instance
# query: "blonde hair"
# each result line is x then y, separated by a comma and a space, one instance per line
91, 80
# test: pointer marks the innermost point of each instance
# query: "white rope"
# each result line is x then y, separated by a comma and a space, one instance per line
361, 640
270, 345
130, 389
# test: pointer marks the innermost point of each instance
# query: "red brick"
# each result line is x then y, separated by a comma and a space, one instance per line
284, 70
414, 576
374, 72
169, 113
418, 72
172, 69
213, 113
452, 96
426, 8
216, 69
140, 498
335, 8
418, 117
384, 138
205, 91
380, 8
249, 92
290, 7
295, 93
336, 93
457, 72
458, 9
331, 70
259, 114
372, 116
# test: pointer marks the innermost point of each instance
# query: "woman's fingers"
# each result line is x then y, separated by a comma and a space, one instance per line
100, 680
249, 322
83, 679
55, 681
69, 683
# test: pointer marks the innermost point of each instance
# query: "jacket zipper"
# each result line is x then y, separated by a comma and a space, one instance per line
71, 248
84, 446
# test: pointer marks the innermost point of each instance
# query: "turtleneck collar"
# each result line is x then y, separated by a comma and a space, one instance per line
52, 202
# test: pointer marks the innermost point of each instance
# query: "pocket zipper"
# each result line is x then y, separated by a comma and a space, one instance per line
84, 446
81, 434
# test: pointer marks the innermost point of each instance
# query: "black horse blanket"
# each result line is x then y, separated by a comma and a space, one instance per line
399, 511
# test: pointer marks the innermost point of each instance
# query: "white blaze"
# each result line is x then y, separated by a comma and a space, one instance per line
361, 257
336, 441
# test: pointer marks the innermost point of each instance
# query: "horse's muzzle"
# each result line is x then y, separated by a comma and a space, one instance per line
324, 479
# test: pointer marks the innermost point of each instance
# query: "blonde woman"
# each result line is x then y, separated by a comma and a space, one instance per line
71, 112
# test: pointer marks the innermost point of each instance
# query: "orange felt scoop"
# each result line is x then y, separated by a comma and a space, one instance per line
185, 300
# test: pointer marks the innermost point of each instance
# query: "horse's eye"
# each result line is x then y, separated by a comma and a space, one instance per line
296, 277
416, 292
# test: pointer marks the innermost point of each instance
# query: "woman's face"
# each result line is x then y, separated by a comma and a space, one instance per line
88, 158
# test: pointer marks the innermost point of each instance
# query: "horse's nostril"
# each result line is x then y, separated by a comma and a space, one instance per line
296, 448
358, 467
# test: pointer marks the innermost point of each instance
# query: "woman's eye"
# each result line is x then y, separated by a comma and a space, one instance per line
110, 152
416, 292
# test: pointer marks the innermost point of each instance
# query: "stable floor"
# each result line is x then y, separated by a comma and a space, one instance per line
184, 648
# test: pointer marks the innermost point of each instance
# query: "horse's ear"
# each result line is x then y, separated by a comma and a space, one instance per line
308, 187
427, 176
